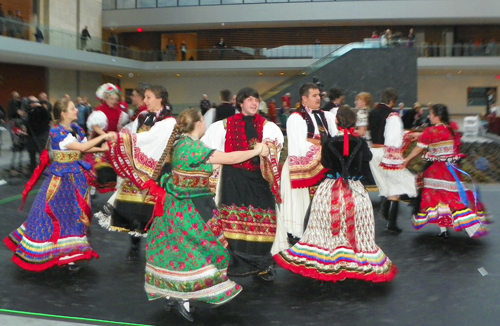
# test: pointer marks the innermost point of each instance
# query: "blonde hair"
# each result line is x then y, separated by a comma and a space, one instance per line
187, 120
366, 97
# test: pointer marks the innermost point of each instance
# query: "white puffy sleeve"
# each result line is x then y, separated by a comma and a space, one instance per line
124, 119
272, 133
131, 127
331, 120
68, 140
304, 158
296, 130
393, 146
215, 136
393, 132
97, 118
209, 118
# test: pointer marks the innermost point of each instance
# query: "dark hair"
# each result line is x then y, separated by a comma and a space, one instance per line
335, 93
388, 95
225, 95
159, 92
304, 89
346, 117
59, 107
245, 93
441, 111
140, 91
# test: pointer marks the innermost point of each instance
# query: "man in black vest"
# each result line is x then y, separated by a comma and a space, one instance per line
387, 164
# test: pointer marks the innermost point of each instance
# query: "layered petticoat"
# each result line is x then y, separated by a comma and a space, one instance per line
441, 204
339, 242
54, 234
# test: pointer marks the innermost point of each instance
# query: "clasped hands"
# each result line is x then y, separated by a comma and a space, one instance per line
262, 148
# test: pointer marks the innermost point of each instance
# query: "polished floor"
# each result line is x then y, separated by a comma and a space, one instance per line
440, 282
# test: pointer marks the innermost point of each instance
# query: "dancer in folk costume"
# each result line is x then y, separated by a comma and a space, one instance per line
388, 144
138, 155
302, 171
363, 104
339, 241
248, 191
55, 232
104, 118
445, 200
186, 257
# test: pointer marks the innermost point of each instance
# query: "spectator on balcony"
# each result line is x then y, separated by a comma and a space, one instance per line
84, 37
491, 48
113, 44
184, 50
38, 35
171, 50
221, 45
375, 34
411, 38
19, 24
2, 20
10, 24
386, 38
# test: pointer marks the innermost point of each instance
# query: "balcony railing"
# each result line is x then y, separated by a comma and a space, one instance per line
71, 40
144, 4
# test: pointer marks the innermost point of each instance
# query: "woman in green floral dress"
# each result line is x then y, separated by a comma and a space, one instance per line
186, 258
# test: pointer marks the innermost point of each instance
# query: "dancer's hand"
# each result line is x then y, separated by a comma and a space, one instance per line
111, 137
259, 148
265, 151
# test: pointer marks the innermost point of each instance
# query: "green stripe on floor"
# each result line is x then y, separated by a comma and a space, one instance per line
33, 314
17, 197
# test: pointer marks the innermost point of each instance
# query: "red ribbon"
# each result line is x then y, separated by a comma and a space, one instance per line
346, 131
44, 162
159, 194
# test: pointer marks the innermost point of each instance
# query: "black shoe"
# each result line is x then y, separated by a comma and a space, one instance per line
169, 304
133, 253
182, 310
267, 275
392, 217
73, 267
444, 235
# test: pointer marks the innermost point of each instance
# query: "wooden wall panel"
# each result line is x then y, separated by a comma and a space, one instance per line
26, 80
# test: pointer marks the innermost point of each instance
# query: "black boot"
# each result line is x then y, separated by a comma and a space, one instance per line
133, 253
392, 217
384, 207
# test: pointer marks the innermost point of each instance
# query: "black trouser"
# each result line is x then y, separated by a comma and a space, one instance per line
35, 144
